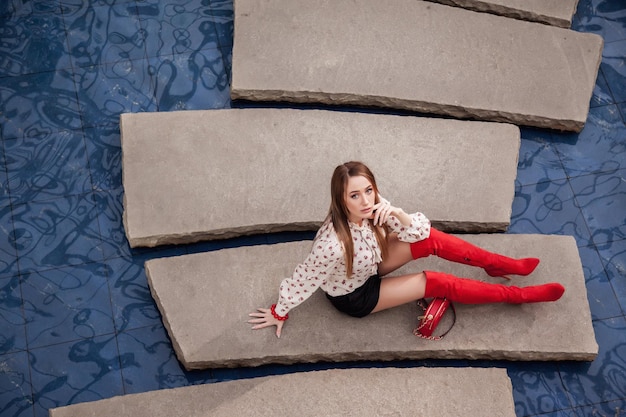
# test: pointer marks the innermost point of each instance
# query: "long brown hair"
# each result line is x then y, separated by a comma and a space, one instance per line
338, 212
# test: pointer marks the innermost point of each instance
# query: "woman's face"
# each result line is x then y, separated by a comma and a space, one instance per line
359, 198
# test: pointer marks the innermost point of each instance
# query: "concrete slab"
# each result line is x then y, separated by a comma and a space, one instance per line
201, 175
552, 12
341, 392
205, 299
414, 55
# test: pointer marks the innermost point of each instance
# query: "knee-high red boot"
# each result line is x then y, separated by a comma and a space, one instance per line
454, 249
469, 291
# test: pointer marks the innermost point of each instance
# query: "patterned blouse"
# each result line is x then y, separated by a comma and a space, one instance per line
325, 266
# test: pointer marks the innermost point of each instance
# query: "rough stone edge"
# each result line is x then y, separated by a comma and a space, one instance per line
511, 12
458, 112
434, 354
125, 222
178, 350
220, 234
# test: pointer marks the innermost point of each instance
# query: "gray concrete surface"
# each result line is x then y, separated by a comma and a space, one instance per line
415, 55
199, 175
205, 299
552, 12
342, 392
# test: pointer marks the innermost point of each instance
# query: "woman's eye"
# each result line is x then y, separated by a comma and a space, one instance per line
369, 191
354, 196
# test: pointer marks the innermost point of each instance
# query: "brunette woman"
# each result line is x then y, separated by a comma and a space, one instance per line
364, 237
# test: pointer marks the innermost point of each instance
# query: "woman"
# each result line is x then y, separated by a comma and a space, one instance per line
365, 237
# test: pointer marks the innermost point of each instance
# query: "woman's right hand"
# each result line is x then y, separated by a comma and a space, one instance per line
264, 318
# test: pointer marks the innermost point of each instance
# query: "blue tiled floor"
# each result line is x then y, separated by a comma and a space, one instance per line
77, 322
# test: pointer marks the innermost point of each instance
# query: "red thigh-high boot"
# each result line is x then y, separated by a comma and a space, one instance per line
469, 291
454, 249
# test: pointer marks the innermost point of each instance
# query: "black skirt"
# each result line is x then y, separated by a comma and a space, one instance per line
360, 302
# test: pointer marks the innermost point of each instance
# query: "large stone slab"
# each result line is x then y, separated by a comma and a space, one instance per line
414, 55
199, 175
205, 299
342, 392
552, 12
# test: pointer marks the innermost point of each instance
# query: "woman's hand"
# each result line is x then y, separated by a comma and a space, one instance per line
381, 211
384, 209
266, 319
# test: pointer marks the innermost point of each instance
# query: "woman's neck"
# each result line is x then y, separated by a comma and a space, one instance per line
358, 222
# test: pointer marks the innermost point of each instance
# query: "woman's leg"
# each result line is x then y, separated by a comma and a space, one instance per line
399, 253
395, 291
469, 291
458, 250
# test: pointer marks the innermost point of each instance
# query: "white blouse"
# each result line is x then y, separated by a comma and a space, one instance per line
325, 266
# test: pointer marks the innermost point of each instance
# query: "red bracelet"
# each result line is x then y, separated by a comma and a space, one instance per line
275, 314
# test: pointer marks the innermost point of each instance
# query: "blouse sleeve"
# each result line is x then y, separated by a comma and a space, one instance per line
419, 229
325, 255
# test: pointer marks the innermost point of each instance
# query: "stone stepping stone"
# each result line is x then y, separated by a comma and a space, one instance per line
414, 55
213, 174
338, 392
205, 299
552, 12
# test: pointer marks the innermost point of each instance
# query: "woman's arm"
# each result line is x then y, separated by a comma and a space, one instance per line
320, 264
